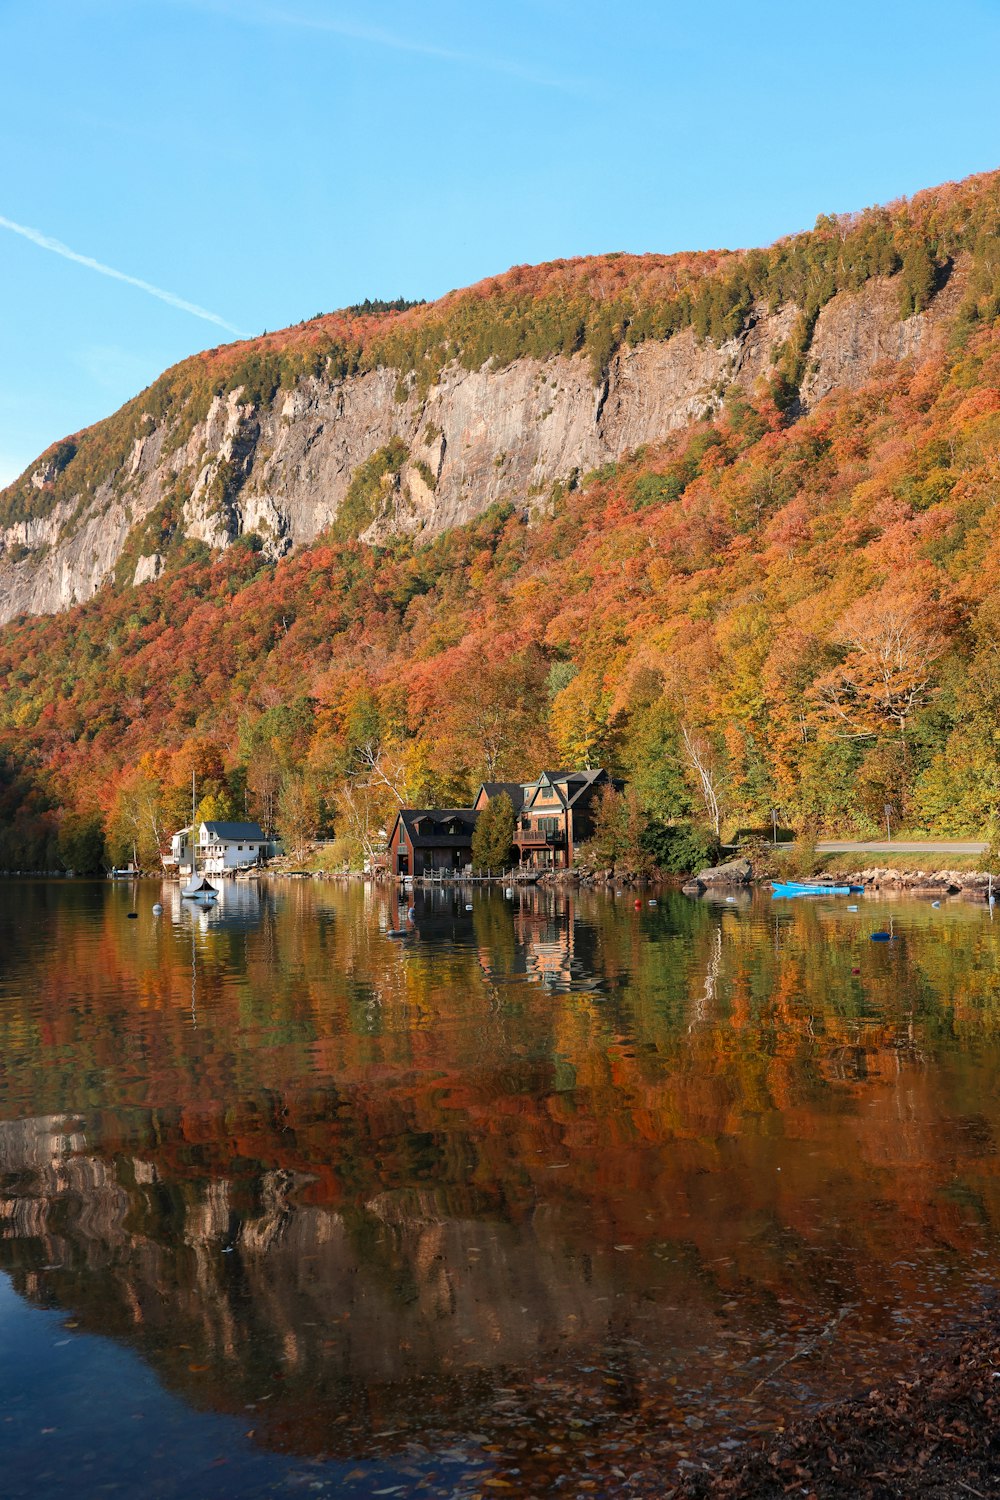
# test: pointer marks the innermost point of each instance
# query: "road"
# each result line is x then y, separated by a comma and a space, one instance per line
903, 846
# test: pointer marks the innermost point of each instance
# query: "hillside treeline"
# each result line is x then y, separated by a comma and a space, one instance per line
760, 613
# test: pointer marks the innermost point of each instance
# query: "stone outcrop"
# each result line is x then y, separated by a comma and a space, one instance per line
281, 470
733, 872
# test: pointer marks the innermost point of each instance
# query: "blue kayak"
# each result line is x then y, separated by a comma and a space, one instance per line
811, 888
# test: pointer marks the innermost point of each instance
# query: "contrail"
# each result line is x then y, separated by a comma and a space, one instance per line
58, 248
275, 15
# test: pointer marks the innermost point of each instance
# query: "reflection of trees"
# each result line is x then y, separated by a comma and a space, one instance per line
386, 1131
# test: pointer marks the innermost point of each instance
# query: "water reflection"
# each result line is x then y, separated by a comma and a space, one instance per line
239, 906
545, 1177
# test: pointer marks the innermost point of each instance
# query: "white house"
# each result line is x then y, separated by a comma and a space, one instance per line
222, 848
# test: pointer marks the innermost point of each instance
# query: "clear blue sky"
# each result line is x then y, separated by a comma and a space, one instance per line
270, 159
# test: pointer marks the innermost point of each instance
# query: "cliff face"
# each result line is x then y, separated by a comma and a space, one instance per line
280, 469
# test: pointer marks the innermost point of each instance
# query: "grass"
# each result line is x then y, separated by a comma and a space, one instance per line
926, 864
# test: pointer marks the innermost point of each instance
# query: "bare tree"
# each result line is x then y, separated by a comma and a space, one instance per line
698, 757
264, 778
887, 674
380, 767
361, 811
298, 812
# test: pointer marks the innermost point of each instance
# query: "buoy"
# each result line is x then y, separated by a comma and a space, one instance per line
395, 932
157, 909
881, 937
855, 971
650, 903
731, 899
852, 908
509, 893
637, 904
411, 912
133, 916
935, 903
468, 905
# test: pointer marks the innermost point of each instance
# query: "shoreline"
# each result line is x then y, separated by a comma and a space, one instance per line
970, 884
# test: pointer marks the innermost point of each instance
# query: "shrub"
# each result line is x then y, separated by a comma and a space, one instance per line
803, 858
680, 848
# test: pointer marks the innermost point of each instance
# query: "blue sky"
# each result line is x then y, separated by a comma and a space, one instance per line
265, 160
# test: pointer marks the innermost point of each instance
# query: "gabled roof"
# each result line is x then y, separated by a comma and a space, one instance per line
514, 789
234, 833
428, 827
568, 786
582, 781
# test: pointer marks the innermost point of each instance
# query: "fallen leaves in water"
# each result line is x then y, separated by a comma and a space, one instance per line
934, 1434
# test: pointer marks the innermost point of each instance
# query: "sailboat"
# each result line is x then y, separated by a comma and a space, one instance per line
199, 887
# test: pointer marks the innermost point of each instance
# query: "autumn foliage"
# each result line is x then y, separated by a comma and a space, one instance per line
768, 610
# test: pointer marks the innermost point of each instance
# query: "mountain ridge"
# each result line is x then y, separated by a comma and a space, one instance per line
609, 351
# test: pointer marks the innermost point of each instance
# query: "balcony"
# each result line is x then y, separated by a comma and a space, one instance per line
535, 839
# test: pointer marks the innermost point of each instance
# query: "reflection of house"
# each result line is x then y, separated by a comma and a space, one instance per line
427, 838
551, 945
221, 847
551, 816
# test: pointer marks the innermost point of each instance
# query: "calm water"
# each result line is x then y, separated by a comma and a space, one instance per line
552, 1195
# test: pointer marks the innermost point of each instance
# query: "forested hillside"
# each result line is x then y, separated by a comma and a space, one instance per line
802, 609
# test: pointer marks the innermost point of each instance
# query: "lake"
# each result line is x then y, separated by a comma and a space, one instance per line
553, 1194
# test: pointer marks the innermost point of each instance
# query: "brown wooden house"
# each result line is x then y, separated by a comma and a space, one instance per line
553, 814
551, 817
491, 789
424, 839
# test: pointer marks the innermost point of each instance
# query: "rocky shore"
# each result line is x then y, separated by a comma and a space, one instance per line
971, 884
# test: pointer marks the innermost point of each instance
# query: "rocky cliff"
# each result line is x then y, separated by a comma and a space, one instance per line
278, 464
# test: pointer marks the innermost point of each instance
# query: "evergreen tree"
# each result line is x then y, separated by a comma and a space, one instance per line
493, 836
918, 279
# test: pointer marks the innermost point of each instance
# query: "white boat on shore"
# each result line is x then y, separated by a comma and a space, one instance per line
199, 888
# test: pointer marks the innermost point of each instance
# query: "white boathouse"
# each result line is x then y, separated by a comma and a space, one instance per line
222, 848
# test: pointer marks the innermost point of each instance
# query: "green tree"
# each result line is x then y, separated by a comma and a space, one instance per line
493, 836
216, 807
81, 844
298, 812
680, 848
918, 279
654, 761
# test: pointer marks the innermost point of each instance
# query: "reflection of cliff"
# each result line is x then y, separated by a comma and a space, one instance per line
320, 1311
374, 1167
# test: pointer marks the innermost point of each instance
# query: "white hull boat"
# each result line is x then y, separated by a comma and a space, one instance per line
199, 888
